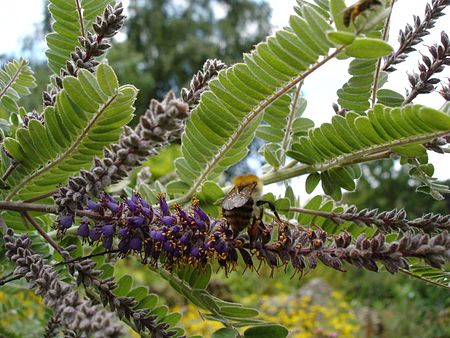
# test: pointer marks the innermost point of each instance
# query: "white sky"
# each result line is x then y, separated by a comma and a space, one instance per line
319, 89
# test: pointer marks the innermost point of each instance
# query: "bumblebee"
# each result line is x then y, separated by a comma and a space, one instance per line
242, 206
352, 12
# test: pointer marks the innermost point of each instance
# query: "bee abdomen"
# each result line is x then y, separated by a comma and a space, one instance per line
240, 218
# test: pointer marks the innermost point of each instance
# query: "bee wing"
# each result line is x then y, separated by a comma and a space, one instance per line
237, 198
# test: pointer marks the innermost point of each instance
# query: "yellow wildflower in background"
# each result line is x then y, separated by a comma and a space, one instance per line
302, 318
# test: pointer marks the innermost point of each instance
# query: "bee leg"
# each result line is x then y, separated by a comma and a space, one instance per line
258, 230
271, 207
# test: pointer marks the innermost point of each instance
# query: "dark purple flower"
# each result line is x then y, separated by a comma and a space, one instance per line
123, 231
183, 215
135, 243
66, 221
108, 230
200, 213
131, 203
124, 245
200, 224
113, 206
185, 238
195, 252
168, 220
136, 220
94, 206
157, 235
94, 234
148, 212
107, 242
83, 230
164, 207
144, 203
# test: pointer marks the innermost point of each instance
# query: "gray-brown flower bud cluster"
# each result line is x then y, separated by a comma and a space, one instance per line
75, 313
33, 115
393, 220
91, 46
445, 90
424, 82
160, 125
411, 36
199, 82
53, 327
125, 307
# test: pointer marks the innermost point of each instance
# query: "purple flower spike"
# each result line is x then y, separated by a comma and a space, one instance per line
135, 244
66, 221
108, 230
83, 230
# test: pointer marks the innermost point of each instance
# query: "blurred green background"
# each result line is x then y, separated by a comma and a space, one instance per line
164, 43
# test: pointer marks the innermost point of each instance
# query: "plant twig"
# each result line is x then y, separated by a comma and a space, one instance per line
47, 208
87, 257
290, 120
40, 197
378, 69
13, 165
80, 18
42, 232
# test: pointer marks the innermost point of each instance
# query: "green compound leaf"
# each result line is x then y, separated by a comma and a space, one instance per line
16, 80
83, 121
224, 123
71, 17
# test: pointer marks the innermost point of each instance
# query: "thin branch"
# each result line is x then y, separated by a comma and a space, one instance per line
13, 165
41, 197
290, 121
42, 232
12, 279
86, 257
47, 208
80, 18
378, 69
